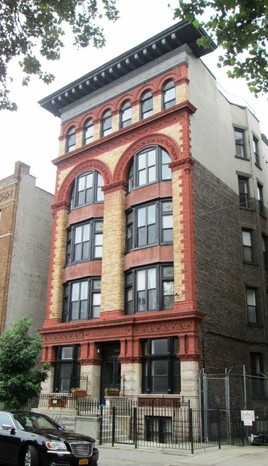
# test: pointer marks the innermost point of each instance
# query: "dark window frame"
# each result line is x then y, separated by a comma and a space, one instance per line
260, 198
252, 308
240, 148
158, 429
84, 305
72, 244
106, 123
248, 255
95, 191
255, 142
73, 380
89, 125
146, 104
168, 360
244, 192
168, 88
265, 250
259, 382
125, 114
151, 172
70, 139
157, 294
133, 240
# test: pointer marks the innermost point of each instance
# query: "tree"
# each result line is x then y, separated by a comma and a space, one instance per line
20, 374
34, 29
240, 27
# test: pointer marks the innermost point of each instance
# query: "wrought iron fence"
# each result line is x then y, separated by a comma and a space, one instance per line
162, 422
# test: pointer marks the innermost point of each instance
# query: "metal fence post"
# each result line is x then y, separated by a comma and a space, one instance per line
113, 427
191, 430
219, 429
101, 423
135, 427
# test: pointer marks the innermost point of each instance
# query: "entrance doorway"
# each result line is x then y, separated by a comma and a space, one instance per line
110, 367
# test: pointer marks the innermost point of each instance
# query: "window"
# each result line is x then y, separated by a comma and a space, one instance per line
82, 300
150, 224
243, 186
169, 94
260, 197
259, 384
146, 104
158, 429
88, 131
251, 298
256, 151
85, 241
149, 166
265, 250
239, 143
247, 245
67, 368
125, 114
150, 289
70, 139
87, 189
106, 123
160, 366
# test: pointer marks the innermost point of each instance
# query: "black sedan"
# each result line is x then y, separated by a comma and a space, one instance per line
33, 439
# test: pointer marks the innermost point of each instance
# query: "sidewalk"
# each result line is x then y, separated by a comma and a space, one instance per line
124, 455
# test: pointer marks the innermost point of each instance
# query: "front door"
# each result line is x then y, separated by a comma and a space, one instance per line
110, 368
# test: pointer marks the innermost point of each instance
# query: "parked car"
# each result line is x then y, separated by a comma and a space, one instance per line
33, 439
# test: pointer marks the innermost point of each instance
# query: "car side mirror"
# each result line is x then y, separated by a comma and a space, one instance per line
8, 427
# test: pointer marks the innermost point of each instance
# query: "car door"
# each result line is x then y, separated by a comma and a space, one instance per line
9, 441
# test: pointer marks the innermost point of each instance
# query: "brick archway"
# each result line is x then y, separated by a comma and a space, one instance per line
121, 169
64, 193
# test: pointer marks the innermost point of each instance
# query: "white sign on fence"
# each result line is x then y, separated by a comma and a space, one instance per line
248, 417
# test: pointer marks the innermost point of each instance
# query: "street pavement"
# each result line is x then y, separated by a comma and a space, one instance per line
124, 455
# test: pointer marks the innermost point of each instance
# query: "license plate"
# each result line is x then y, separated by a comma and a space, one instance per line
83, 461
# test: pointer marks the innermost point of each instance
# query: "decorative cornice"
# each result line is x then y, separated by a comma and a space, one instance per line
186, 162
146, 52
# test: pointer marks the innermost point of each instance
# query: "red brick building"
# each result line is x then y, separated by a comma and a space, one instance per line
160, 191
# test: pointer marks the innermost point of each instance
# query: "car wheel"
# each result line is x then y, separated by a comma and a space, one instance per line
31, 457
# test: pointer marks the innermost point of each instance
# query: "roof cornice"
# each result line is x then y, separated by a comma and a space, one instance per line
155, 47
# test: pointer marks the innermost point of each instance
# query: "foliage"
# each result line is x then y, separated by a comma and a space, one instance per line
240, 27
20, 374
34, 29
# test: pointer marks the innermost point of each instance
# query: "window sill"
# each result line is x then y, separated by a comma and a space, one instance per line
242, 158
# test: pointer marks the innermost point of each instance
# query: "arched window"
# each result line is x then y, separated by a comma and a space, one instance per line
169, 94
70, 139
146, 104
125, 114
87, 189
106, 123
88, 131
149, 166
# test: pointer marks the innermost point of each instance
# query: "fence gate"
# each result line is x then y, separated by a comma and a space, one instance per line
216, 407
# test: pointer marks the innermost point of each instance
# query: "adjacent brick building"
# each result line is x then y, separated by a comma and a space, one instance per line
158, 264
25, 233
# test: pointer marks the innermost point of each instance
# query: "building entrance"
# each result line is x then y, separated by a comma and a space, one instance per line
110, 368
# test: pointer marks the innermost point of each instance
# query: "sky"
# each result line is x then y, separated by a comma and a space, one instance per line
31, 134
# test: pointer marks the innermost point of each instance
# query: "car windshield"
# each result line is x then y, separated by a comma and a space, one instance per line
31, 421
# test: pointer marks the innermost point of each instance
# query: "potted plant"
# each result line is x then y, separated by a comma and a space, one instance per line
79, 392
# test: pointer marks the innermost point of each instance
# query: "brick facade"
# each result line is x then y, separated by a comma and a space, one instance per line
208, 317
